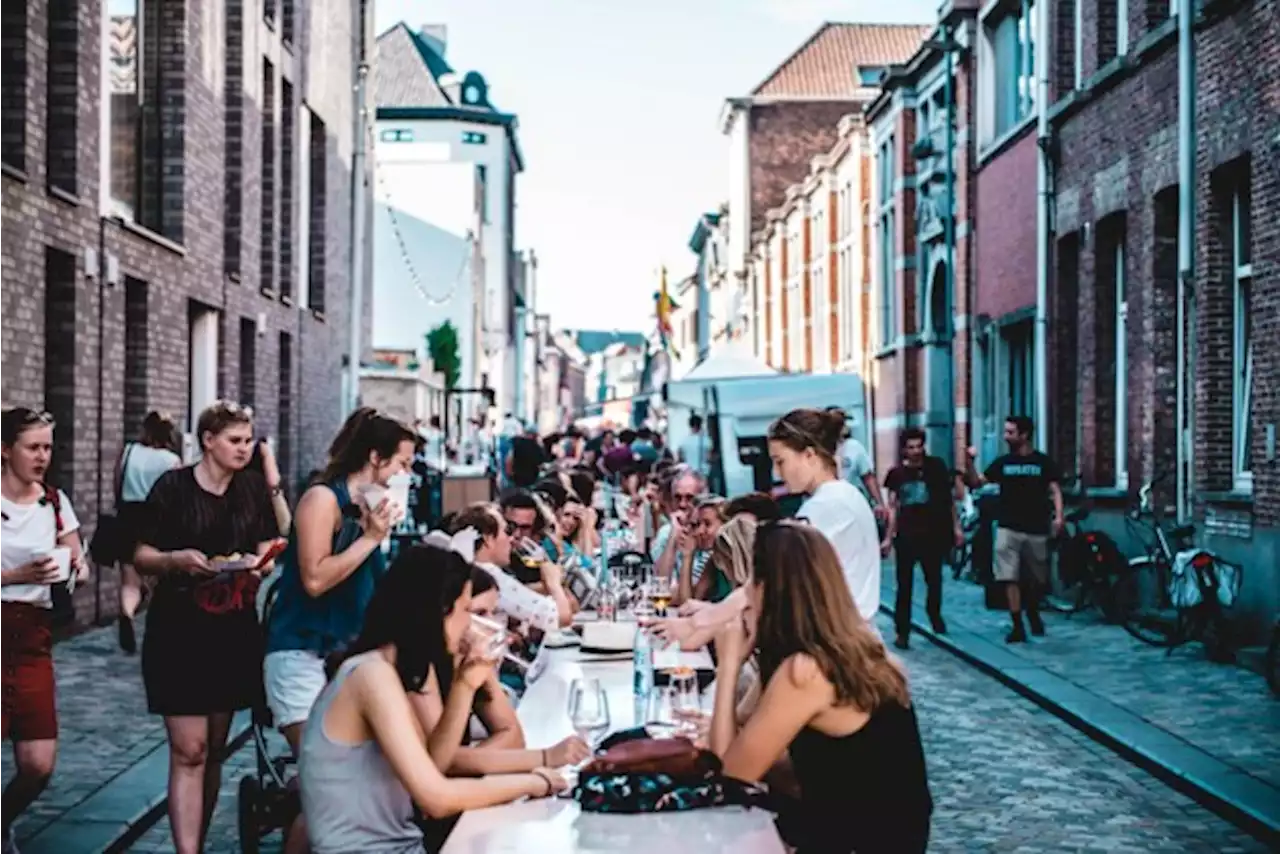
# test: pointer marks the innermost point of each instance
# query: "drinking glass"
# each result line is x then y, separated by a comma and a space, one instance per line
661, 591
488, 639
660, 721
589, 710
686, 699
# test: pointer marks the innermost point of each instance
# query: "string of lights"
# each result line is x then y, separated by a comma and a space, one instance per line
407, 259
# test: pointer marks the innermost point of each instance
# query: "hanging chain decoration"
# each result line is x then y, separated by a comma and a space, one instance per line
412, 269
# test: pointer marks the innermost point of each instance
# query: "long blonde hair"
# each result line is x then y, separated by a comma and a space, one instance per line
807, 608
733, 549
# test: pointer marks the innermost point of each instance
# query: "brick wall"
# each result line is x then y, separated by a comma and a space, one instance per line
53, 308
1005, 260
1118, 156
784, 137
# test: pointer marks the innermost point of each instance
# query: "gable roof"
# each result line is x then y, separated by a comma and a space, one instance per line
408, 70
826, 66
591, 341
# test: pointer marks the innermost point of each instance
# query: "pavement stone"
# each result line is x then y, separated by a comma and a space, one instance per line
1006, 777
104, 726
1185, 705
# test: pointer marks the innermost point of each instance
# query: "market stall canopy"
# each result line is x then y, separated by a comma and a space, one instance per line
731, 363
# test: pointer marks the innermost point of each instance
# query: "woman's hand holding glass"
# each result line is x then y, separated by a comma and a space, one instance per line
568, 751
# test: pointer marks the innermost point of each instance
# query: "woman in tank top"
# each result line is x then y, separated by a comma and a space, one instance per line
141, 464
833, 698
364, 759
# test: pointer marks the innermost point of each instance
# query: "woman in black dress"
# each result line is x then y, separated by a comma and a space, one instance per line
202, 652
833, 699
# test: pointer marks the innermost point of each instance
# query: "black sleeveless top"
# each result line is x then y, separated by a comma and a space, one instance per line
866, 792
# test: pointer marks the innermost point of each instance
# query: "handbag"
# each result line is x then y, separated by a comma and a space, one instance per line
638, 774
107, 543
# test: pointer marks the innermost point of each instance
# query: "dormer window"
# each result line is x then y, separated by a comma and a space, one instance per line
870, 75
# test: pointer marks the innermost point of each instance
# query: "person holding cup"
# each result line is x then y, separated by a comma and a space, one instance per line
202, 651
330, 568
39, 547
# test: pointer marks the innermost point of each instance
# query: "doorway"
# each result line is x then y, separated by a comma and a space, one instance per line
939, 395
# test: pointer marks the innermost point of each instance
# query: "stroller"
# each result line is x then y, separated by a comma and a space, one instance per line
268, 799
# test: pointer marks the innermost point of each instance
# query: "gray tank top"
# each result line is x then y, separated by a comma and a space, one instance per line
353, 800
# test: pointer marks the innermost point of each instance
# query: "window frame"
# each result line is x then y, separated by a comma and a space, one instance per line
1241, 341
110, 205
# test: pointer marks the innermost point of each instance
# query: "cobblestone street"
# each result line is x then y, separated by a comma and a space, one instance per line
1225, 711
1005, 775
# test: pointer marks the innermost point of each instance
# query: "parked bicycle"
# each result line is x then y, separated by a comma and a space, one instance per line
1088, 564
1176, 593
961, 557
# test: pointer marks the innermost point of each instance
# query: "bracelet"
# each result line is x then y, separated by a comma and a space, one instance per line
545, 779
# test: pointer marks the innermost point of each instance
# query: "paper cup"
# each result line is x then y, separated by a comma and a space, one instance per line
62, 557
398, 488
372, 494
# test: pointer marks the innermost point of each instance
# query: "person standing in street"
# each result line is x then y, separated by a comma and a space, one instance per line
694, 449
922, 527
857, 468
1028, 510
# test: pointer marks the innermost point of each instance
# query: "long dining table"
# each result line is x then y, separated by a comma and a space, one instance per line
559, 825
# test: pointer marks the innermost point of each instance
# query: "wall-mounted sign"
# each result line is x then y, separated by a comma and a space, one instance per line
397, 135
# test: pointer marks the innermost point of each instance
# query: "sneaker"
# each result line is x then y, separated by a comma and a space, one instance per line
1037, 624
901, 642
128, 640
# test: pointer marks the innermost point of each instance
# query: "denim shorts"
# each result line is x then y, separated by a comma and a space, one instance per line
294, 679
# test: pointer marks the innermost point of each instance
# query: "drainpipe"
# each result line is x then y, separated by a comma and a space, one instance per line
1186, 251
949, 223
1044, 200
357, 222
704, 308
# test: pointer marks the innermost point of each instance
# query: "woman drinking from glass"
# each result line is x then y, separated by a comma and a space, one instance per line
328, 572
202, 652
366, 759
39, 547
834, 700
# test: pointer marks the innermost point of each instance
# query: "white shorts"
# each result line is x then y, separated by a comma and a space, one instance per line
294, 678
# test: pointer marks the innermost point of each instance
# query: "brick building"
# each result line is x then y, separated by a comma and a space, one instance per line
924, 275
176, 209
774, 133
1114, 77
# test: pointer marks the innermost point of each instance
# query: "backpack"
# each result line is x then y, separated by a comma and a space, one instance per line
64, 609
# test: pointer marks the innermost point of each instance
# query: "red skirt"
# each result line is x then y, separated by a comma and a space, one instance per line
30, 708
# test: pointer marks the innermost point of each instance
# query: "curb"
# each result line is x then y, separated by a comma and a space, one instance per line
1198, 785
120, 812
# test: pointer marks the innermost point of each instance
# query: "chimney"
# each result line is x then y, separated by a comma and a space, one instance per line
437, 35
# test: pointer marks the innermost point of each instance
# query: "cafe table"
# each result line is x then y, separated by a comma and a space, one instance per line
559, 826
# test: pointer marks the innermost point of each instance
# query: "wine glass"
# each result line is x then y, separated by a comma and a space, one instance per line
660, 722
589, 710
488, 640
686, 700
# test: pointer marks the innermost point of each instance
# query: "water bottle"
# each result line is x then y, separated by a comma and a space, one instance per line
644, 673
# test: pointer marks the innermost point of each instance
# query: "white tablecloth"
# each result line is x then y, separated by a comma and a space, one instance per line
559, 826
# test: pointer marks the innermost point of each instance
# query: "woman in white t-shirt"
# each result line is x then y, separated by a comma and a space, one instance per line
141, 464
803, 445
37, 520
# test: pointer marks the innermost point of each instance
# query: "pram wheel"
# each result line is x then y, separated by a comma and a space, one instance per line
249, 808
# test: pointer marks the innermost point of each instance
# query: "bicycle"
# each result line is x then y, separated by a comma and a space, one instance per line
1088, 564
960, 559
1176, 593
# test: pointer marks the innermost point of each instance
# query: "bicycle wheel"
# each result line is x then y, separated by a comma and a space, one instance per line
1068, 585
1142, 601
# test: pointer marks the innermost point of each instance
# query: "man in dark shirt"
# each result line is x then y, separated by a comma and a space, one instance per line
1028, 510
922, 527
524, 462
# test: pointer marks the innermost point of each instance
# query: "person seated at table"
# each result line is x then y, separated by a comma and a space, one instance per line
834, 700
545, 612
694, 582
365, 758
576, 539
759, 506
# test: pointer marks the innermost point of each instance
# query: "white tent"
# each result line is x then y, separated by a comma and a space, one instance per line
732, 362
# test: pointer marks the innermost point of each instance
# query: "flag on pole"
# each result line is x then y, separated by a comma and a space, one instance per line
665, 306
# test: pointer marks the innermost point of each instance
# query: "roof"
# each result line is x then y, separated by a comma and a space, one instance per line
730, 363
826, 66
592, 341
408, 71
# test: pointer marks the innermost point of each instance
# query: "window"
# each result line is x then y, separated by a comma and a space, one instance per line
233, 143
870, 75
137, 331
318, 187
62, 89
1122, 27
285, 408
13, 85
287, 22
288, 156
1122, 369
267, 248
60, 349
886, 171
1079, 43
202, 364
248, 361
482, 189
1242, 346
269, 11
888, 308
1019, 342
132, 167
1011, 77
1113, 29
